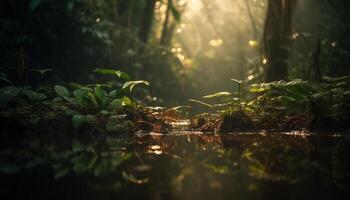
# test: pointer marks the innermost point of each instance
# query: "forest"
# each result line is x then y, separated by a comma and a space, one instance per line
175, 99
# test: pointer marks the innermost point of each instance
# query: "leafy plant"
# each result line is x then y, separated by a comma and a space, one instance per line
224, 98
132, 84
3, 78
78, 120
218, 95
109, 100
239, 82
331, 104
94, 98
281, 103
10, 93
42, 71
207, 105
113, 72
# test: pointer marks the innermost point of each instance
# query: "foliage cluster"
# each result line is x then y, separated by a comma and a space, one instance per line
293, 105
96, 109
73, 37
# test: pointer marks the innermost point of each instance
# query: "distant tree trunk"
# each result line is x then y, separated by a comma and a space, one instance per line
22, 68
317, 67
130, 14
165, 26
255, 31
277, 36
146, 21
169, 35
114, 5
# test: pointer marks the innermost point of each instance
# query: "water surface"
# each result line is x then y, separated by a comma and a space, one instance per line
182, 165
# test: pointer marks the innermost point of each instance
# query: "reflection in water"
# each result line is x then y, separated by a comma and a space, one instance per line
180, 166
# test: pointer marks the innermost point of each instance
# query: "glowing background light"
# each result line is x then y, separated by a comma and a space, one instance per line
217, 37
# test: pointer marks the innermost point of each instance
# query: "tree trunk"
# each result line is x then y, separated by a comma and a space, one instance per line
165, 26
146, 21
317, 67
277, 36
255, 31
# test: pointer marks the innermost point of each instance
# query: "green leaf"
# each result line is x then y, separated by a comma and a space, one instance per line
343, 84
114, 122
42, 71
70, 6
224, 104
114, 143
105, 112
4, 78
236, 81
218, 169
78, 99
127, 101
34, 96
79, 93
132, 84
77, 146
34, 4
8, 168
347, 93
62, 91
76, 86
90, 97
99, 85
180, 108
124, 76
115, 93
117, 73
201, 103
69, 112
78, 120
8, 93
34, 120
257, 88
115, 104
116, 161
91, 119
101, 96
133, 179
92, 162
339, 79
76, 102
286, 100
217, 95
61, 173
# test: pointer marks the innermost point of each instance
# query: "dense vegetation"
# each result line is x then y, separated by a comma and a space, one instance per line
46, 43
280, 105
94, 86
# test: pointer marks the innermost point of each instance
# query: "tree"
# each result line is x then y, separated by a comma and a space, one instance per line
165, 28
147, 20
172, 16
277, 36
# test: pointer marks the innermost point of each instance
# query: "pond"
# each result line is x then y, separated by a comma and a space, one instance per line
182, 165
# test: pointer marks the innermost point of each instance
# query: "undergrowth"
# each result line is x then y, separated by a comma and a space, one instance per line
112, 109
96, 110
279, 105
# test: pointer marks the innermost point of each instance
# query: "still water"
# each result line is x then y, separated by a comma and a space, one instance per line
183, 165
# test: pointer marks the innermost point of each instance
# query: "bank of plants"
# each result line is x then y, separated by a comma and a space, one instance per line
77, 109
278, 105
